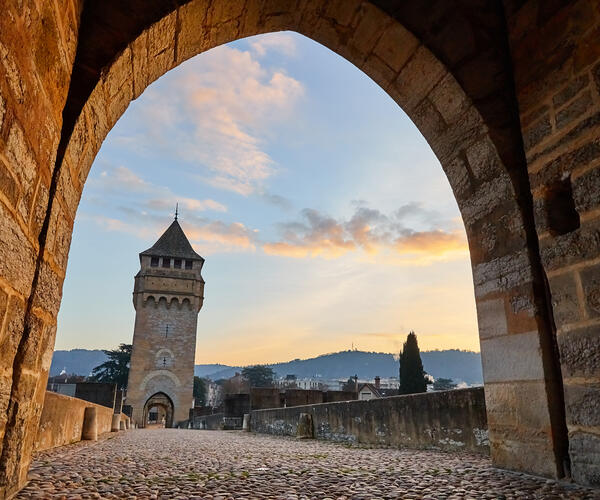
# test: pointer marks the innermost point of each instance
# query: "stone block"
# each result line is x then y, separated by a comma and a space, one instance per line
396, 46
491, 318
584, 450
586, 190
565, 302
577, 134
17, 256
582, 404
501, 274
192, 36
9, 186
484, 161
39, 208
20, 159
535, 456
512, 357
562, 165
521, 312
571, 248
571, 90
537, 132
459, 177
590, 279
575, 110
420, 74
449, 99
580, 352
369, 22
49, 290
488, 196
376, 69
427, 119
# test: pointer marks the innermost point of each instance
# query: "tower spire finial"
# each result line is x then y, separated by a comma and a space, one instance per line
176, 210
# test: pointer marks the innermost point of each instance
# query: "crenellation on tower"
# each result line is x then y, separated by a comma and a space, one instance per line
167, 296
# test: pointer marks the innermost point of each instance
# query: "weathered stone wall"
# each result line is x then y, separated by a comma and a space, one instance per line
37, 49
450, 66
62, 420
556, 57
464, 104
333, 396
209, 422
297, 397
450, 420
98, 393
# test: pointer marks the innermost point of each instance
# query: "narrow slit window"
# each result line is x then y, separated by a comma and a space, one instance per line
562, 216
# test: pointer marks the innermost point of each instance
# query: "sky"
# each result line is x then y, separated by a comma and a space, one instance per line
325, 219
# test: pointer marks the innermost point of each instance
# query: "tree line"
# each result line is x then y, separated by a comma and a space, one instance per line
413, 378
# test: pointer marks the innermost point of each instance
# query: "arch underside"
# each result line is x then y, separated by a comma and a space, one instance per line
447, 64
479, 150
162, 400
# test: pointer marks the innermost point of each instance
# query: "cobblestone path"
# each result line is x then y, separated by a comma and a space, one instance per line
170, 463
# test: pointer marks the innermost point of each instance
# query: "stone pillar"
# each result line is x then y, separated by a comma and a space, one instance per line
89, 428
305, 427
114, 426
246, 422
121, 425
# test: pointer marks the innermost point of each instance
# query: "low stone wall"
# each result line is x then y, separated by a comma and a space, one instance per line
62, 420
208, 422
448, 420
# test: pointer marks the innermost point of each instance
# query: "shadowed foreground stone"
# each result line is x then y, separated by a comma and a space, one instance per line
172, 463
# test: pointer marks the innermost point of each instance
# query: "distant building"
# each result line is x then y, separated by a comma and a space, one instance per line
373, 391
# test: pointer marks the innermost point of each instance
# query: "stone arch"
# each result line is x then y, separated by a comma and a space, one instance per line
159, 373
474, 132
517, 343
162, 400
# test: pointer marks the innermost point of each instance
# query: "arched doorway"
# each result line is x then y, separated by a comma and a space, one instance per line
467, 111
164, 410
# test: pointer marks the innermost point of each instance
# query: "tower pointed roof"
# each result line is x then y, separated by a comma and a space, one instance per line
173, 243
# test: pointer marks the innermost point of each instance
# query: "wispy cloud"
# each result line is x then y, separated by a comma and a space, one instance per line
279, 42
369, 230
222, 108
143, 206
124, 182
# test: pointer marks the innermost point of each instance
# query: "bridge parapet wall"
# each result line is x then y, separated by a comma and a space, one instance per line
447, 420
62, 420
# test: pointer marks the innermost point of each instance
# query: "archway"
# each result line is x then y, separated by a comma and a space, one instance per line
165, 408
479, 147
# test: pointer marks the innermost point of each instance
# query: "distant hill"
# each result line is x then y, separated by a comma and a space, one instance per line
462, 366
76, 361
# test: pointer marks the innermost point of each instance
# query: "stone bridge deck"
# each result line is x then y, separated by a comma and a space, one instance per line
170, 463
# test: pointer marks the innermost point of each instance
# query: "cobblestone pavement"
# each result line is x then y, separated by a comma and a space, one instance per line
170, 463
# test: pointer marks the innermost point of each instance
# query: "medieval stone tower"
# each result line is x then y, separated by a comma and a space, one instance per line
167, 296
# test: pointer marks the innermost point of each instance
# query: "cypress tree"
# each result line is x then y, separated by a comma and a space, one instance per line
412, 376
